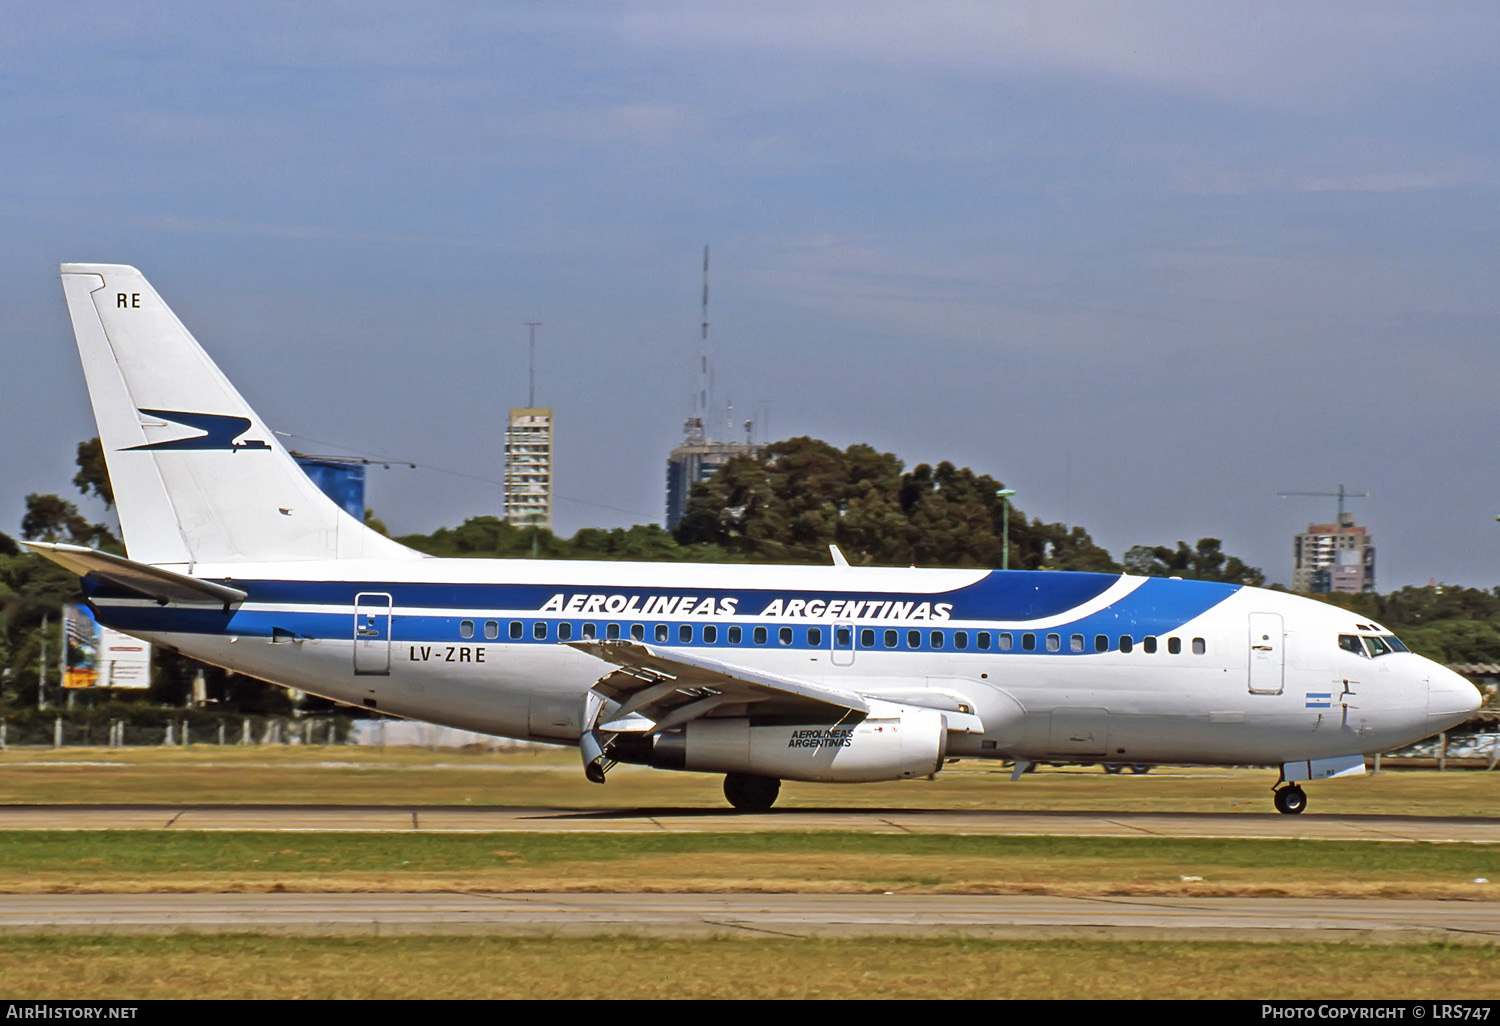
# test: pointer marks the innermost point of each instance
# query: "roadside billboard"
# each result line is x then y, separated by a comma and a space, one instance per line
97, 657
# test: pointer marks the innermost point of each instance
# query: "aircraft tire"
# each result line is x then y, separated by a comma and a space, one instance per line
1291, 800
1112, 767
750, 793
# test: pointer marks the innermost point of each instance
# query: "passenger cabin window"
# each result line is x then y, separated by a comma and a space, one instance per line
638, 632
913, 639
1149, 644
1028, 642
539, 630
516, 630
590, 632
564, 632
843, 637
491, 630
815, 636
661, 632
1005, 641
1199, 646
983, 640
1101, 642
890, 639
784, 635
935, 639
466, 628
710, 634
1075, 643
867, 638
960, 639
760, 635
685, 634
736, 634
1127, 643
1053, 643
612, 632
1174, 646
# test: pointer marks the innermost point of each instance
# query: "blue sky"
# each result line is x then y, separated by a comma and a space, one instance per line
1149, 264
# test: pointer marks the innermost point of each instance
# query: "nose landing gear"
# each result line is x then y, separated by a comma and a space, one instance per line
1290, 799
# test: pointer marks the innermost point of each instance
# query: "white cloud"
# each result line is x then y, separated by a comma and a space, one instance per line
1285, 55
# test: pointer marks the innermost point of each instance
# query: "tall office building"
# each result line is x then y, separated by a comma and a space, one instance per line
1334, 557
528, 467
697, 459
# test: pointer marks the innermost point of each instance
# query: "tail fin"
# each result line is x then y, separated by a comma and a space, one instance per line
197, 475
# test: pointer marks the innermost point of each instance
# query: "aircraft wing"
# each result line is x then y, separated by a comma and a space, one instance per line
655, 689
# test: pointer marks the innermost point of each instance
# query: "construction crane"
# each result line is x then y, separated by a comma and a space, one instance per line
1341, 495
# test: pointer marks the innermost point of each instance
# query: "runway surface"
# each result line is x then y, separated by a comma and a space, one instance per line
534, 819
754, 915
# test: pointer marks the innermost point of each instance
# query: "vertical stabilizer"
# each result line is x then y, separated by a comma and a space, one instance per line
198, 477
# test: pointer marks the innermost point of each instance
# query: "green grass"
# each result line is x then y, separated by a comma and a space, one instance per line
553, 778
219, 967
122, 860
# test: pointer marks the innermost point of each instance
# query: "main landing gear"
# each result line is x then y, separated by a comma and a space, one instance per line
751, 794
1290, 799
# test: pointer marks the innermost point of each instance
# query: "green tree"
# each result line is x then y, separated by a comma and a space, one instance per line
1205, 562
51, 518
802, 495
93, 473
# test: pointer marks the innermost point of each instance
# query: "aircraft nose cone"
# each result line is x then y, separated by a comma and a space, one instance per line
1450, 697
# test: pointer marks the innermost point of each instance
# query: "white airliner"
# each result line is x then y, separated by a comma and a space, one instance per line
762, 673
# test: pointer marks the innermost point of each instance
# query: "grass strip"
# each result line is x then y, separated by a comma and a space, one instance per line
239, 967
145, 860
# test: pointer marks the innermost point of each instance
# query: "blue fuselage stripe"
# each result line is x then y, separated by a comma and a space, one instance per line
1156, 607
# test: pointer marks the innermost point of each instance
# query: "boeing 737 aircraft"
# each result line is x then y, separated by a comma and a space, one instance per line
761, 673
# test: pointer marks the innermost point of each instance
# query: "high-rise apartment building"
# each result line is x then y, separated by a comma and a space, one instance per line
1334, 557
528, 467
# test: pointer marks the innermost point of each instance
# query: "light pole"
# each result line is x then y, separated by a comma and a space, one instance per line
1004, 494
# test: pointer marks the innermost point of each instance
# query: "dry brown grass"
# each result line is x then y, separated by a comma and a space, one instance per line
125, 968
820, 873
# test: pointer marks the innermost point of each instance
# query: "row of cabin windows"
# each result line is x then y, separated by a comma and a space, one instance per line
1004, 641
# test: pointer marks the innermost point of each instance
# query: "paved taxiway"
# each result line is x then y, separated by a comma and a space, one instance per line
382, 818
756, 915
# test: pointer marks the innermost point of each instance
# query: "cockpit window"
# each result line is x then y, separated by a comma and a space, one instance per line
1374, 647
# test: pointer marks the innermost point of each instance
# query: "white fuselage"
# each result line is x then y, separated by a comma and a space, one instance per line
1055, 666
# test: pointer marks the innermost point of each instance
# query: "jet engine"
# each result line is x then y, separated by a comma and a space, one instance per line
906, 743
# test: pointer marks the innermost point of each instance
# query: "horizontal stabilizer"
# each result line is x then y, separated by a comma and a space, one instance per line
162, 585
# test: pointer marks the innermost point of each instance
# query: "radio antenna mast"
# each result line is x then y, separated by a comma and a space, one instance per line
531, 363
703, 379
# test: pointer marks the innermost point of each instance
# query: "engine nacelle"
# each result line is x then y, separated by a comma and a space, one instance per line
906, 743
